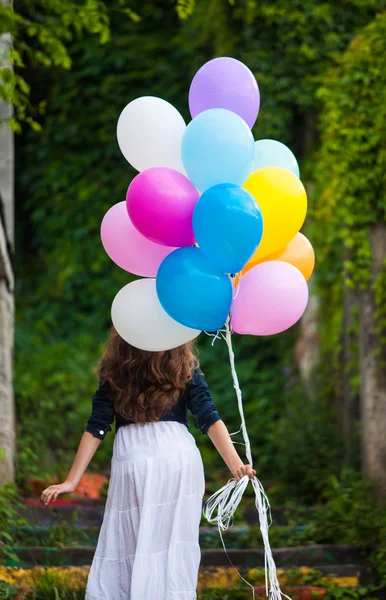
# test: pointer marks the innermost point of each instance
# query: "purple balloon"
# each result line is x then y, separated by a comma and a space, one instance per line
225, 83
270, 299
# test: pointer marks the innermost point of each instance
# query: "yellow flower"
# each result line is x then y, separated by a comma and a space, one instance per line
74, 577
346, 581
216, 577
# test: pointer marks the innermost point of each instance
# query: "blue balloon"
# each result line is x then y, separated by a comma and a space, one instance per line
193, 291
270, 153
217, 147
228, 226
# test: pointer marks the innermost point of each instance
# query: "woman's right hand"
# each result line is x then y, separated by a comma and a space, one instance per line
53, 491
243, 470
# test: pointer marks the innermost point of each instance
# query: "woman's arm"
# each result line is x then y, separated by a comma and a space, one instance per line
221, 439
86, 450
98, 425
209, 422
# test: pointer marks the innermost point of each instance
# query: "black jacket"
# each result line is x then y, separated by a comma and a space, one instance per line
196, 397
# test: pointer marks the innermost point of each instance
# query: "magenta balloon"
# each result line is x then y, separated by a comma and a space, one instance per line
128, 248
160, 203
225, 83
271, 298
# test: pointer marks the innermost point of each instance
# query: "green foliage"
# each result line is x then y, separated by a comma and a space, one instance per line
225, 594
309, 447
348, 514
350, 172
185, 8
55, 536
41, 32
8, 518
51, 586
58, 375
335, 593
351, 166
71, 172
280, 537
7, 591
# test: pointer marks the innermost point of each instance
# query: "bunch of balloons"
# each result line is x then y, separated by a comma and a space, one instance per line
211, 221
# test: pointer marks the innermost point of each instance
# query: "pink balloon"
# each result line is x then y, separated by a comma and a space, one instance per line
160, 203
129, 249
270, 299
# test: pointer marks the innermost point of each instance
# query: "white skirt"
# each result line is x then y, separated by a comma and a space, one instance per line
148, 544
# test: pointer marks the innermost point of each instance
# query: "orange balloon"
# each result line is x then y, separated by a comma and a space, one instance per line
299, 253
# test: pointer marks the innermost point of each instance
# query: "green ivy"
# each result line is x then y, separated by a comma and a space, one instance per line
42, 35
350, 197
351, 164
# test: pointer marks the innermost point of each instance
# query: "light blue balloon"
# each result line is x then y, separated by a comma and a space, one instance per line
217, 147
193, 291
270, 153
228, 226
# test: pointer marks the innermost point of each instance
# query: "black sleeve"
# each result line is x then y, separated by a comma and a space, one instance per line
200, 403
102, 414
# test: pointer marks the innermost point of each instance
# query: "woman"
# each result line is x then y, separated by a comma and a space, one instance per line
148, 544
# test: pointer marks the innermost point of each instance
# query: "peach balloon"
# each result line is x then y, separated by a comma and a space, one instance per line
299, 253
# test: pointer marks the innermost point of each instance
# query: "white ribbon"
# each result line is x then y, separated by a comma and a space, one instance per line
222, 505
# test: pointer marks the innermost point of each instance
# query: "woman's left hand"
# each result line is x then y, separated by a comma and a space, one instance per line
51, 493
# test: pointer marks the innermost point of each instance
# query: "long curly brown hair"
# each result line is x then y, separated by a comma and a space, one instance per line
145, 385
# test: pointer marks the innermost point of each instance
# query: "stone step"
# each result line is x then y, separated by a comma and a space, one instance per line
362, 573
317, 554
85, 535
310, 556
90, 512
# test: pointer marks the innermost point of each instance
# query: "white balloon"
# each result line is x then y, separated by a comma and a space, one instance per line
150, 132
141, 321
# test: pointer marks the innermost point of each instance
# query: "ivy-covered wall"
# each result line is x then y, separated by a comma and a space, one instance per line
350, 234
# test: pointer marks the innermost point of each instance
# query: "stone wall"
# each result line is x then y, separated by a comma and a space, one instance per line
7, 416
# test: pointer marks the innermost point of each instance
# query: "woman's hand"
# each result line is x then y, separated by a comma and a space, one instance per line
51, 493
222, 441
239, 472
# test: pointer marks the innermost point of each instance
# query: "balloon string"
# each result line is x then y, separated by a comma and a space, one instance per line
236, 385
222, 505
233, 491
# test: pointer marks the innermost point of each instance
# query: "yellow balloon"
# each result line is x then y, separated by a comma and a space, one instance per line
283, 202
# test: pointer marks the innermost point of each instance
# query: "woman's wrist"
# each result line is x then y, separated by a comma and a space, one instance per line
71, 483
